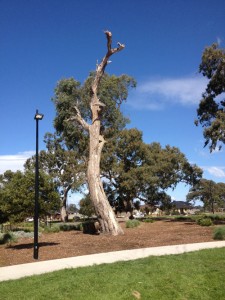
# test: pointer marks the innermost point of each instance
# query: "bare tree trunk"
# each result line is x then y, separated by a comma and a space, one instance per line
63, 212
212, 206
103, 209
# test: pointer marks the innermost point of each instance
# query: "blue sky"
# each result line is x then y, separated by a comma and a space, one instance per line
42, 42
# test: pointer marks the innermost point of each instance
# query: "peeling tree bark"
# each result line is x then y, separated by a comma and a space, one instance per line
103, 209
63, 212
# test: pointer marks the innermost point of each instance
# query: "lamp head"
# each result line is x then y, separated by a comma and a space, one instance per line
38, 116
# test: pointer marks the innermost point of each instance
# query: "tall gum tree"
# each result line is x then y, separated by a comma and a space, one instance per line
103, 209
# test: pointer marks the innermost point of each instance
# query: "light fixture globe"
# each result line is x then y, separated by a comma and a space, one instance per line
38, 116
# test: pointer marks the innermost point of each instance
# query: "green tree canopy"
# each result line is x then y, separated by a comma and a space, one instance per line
211, 111
72, 208
135, 170
17, 195
211, 194
70, 93
86, 206
64, 166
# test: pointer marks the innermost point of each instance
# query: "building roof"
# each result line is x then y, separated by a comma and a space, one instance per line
181, 204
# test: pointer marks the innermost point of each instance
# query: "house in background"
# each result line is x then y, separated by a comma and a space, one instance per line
184, 208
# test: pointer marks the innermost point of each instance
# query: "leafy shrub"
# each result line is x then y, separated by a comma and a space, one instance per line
215, 217
219, 233
7, 238
23, 233
196, 217
148, 220
24, 229
132, 223
51, 229
204, 222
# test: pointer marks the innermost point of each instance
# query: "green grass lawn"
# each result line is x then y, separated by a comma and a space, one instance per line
197, 275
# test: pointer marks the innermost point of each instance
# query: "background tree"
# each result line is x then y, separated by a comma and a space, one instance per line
211, 111
72, 208
211, 194
63, 165
134, 170
4, 179
86, 206
17, 195
85, 123
221, 194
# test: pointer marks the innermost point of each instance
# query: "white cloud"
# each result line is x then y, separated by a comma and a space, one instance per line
215, 171
14, 162
157, 93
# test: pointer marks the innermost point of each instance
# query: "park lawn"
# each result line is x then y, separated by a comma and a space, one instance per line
195, 275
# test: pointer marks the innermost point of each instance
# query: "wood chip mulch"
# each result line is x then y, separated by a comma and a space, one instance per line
75, 243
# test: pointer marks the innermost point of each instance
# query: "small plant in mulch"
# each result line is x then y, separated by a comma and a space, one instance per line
219, 233
217, 219
51, 229
132, 223
147, 220
204, 222
23, 234
22, 229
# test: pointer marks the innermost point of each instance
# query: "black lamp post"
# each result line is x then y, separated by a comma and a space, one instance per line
37, 117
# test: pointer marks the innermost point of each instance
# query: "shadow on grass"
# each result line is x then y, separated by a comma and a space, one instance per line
31, 245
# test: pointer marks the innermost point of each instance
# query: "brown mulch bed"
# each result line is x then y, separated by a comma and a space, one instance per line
75, 243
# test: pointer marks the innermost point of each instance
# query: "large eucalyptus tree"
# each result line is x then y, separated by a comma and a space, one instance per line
89, 114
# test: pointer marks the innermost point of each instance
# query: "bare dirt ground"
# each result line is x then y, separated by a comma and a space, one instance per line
75, 243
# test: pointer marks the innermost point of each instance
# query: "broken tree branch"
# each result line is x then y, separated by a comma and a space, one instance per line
101, 67
109, 44
79, 119
109, 39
